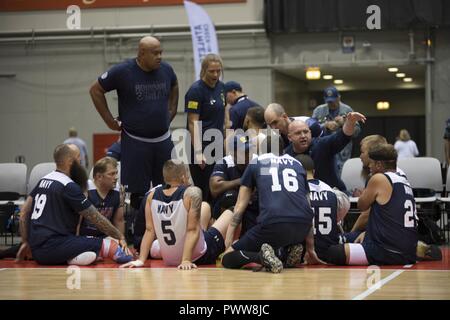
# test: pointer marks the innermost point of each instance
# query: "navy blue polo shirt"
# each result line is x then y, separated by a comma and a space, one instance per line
239, 110
208, 103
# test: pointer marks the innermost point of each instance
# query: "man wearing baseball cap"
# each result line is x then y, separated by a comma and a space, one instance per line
331, 116
239, 102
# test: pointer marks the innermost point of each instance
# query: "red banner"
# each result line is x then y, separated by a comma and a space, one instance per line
29, 5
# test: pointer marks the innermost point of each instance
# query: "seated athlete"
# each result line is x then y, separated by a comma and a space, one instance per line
391, 235
285, 217
105, 197
172, 216
330, 206
50, 215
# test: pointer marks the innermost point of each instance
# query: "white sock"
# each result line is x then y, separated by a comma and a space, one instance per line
155, 251
83, 259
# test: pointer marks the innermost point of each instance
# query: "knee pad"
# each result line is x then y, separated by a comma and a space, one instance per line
228, 199
83, 259
232, 260
336, 255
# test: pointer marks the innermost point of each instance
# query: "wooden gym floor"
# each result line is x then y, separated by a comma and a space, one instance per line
27, 280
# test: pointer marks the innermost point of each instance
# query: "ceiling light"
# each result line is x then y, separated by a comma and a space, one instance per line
338, 81
313, 73
327, 76
382, 105
407, 79
400, 75
393, 69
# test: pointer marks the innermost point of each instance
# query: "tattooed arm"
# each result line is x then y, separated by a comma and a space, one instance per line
244, 196
102, 224
193, 202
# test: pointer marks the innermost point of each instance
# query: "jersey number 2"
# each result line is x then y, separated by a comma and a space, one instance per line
39, 204
170, 239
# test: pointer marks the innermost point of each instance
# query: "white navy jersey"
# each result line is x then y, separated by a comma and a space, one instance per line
56, 203
170, 222
393, 226
282, 189
325, 206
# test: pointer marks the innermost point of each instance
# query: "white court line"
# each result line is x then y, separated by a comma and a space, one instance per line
2, 269
381, 283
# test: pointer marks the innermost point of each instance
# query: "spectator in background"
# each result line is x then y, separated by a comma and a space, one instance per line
447, 141
239, 103
331, 116
405, 147
73, 139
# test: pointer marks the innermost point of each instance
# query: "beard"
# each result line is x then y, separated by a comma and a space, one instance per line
78, 175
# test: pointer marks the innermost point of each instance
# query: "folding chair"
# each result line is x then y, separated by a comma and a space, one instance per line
352, 177
425, 176
38, 172
13, 185
445, 205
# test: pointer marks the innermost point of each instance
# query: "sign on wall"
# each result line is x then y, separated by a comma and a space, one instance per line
29, 5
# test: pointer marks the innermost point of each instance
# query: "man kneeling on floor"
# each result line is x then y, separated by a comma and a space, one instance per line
391, 235
172, 216
55, 205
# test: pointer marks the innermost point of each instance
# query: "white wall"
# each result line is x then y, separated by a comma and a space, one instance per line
49, 92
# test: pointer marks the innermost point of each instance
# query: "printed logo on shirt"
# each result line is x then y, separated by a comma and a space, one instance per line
193, 105
152, 91
105, 75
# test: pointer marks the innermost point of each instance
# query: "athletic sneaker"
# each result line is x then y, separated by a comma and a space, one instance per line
121, 257
269, 260
294, 255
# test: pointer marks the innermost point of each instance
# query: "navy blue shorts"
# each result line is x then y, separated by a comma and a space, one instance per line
60, 249
216, 245
277, 235
142, 163
351, 236
377, 255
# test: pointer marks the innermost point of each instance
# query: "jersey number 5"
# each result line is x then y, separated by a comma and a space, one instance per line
170, 239
39, 204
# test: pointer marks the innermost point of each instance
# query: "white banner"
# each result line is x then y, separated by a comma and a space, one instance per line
203, 34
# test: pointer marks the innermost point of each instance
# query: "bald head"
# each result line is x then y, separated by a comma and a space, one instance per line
149, 53
276, 108
300, 135
276, 118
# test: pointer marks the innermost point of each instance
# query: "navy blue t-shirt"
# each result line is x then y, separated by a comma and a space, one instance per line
322, 150
226, 169
208, 103
143, 96
239, 110
282, 189
56, 203
106, 207
393, 226
324, 205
